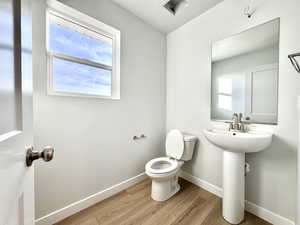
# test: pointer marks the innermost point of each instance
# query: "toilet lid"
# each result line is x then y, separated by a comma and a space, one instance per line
175, 144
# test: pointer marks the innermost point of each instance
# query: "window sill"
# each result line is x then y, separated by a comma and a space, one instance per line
78, 95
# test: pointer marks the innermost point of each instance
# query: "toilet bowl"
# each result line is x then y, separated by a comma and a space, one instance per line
164, 170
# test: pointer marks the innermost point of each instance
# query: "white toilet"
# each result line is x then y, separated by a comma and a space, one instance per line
164, 170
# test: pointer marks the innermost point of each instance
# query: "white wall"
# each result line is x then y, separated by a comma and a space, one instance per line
272, 181
92, 137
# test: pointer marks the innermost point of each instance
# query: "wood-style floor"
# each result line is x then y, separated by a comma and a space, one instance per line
134, 206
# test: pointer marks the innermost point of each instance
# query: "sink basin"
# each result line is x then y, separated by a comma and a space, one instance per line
239, 142
235, 145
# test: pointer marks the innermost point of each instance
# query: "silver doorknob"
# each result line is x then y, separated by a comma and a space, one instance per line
47, 155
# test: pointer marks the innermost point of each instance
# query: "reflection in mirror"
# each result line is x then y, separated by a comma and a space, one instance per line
8, 120
244, 75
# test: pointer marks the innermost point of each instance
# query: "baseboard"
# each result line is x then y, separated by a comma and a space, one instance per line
267, 215
259, 211
201, 183
75, 207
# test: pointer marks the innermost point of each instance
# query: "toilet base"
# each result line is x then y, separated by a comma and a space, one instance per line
163, 189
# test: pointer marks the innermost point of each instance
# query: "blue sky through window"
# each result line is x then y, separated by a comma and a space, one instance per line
73, 77
68, 42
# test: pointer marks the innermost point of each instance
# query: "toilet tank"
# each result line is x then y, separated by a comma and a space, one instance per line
189, 146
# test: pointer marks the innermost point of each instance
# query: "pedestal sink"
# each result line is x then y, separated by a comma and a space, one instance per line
235, 145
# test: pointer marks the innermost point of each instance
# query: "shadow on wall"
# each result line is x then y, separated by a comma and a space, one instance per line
280, 152
264, 169
188, 166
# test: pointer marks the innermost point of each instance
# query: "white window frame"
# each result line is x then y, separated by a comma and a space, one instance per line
71, 15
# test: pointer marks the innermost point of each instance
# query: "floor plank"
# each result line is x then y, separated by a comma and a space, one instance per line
134, 206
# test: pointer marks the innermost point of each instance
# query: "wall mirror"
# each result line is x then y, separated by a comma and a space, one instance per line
244, 75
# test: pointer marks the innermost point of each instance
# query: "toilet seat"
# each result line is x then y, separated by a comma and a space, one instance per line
161, 165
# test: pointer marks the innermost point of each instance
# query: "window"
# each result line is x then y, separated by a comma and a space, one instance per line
225, 93
83, 55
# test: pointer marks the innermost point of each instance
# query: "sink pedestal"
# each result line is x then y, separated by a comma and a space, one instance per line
234, 146
233, 186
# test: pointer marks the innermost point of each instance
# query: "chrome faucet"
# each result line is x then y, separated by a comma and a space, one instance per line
237, 123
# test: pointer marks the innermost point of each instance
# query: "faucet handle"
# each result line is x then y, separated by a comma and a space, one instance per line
240, 117
234, 116
230, 126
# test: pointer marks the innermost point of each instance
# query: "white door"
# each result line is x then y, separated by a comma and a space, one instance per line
16, 178
261, 94
298, 181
